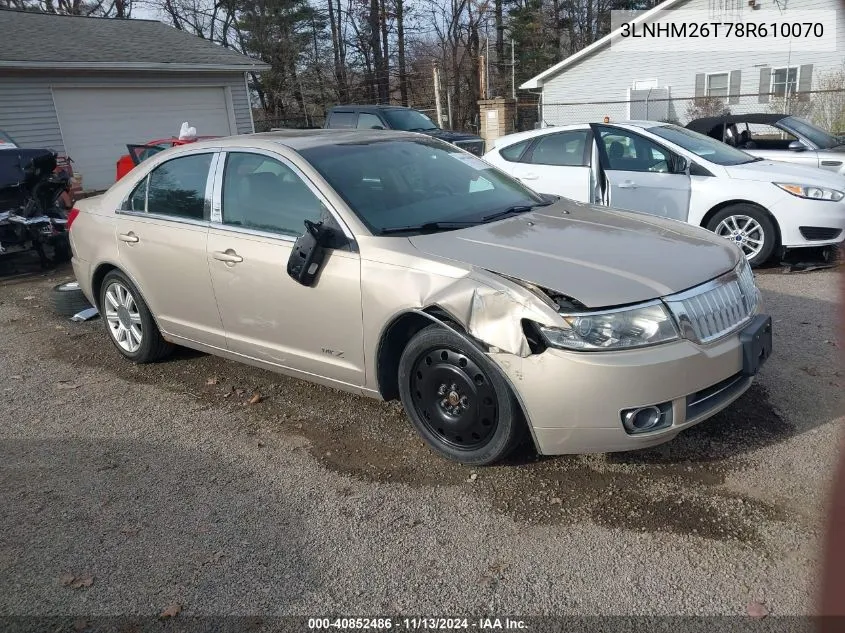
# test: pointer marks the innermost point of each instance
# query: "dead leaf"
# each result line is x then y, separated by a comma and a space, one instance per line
240, 392
757, 609
130, 530
28, 298
256, 398
211, 381
811, 371
66, 384
76, 582
80, 624
171, 612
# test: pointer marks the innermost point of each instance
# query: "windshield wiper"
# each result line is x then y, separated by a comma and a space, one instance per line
522, 208
427, 227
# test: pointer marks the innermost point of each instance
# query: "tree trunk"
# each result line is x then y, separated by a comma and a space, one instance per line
384, 78
400, 51
337, 43
375, 47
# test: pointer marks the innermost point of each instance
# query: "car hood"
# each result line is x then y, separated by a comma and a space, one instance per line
780, 171
597, 256
450, 136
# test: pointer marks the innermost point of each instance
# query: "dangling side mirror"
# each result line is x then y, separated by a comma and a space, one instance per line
309, 252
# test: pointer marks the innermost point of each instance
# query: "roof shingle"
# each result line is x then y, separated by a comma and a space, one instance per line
74, 41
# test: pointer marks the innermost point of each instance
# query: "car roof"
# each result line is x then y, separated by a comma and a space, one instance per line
353, 106
516, 137
708, 123
303, 139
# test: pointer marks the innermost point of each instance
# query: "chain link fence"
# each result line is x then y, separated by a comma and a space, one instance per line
824, 108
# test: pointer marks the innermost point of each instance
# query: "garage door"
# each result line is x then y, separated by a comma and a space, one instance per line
98, 123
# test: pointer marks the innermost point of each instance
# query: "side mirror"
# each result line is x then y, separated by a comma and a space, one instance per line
797, 146
681, 165
309, 252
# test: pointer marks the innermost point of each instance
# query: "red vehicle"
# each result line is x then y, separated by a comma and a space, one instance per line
140, 153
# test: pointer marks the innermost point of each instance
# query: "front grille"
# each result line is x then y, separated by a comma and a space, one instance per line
712, 310
819, 232
474, 147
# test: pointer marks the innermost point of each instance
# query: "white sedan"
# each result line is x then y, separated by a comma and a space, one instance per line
667, 170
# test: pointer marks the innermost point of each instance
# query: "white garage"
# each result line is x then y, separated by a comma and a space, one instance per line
98, 123
89, 102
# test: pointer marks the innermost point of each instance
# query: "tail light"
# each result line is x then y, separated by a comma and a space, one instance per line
71, 216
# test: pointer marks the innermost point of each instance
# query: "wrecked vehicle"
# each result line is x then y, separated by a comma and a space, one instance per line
32, 215
394, 265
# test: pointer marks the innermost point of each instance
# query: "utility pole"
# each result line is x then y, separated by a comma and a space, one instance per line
449, 106
487, 67
482, 78
513, 70
436, 71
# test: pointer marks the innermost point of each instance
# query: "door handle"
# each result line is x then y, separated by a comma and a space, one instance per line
529, 177
628, 184
130, 237
229, 256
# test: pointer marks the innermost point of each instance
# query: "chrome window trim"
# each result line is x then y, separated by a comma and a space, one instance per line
218, 191
170, 218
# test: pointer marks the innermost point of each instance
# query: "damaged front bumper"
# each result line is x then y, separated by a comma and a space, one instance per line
575, 402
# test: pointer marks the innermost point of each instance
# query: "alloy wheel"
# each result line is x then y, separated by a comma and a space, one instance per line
745, 232
123, 317
454, 398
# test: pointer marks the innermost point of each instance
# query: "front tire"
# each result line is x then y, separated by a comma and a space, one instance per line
129, 322
750, 228
457, 399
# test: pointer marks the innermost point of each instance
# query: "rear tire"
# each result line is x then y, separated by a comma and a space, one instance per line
129, 322
750, 228
457, 399
67, 299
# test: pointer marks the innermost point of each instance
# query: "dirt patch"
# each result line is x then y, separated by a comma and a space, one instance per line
674, 488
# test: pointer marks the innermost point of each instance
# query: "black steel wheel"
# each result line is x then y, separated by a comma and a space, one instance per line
457, 399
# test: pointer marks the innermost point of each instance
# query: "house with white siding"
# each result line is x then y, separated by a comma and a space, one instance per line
86, 87
607, 80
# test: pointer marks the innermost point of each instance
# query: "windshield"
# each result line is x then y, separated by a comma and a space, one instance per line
703, 146
408, 183
408, 120
817, 136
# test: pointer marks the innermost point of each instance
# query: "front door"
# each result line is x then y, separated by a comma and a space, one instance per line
639, 174
161, 235
267, 315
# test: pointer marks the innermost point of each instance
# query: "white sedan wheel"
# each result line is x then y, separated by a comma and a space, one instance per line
745, 232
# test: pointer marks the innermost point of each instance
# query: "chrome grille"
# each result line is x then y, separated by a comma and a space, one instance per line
712, 310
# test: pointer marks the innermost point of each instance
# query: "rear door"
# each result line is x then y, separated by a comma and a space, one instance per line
558, 163
640, 174
162, 230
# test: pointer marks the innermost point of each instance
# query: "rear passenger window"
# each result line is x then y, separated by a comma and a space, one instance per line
264, 194
177, 187
513, 152
342, 120
564, 149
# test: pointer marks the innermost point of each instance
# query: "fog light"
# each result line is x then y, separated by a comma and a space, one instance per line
644, 419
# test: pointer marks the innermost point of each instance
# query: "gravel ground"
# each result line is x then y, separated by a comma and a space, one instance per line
161, 485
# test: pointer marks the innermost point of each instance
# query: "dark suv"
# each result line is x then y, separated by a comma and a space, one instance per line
384, 117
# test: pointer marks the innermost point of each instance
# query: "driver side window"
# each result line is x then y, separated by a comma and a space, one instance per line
627, 151
264, 194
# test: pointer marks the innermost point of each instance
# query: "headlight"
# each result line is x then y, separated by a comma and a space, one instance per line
613, 329
811, 191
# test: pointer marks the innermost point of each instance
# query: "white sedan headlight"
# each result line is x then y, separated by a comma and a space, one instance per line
624, 328
811, 191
